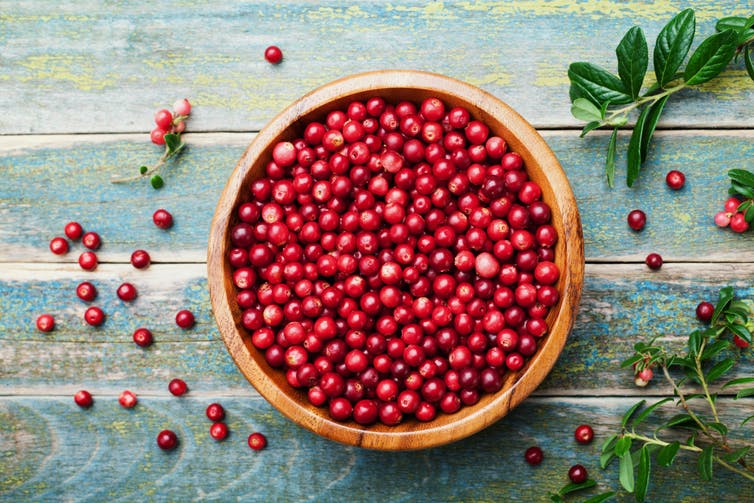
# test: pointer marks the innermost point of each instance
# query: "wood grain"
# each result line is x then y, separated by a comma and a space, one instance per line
52, 450
49, 180
75, 68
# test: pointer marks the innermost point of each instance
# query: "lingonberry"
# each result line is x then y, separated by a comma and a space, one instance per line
88, 261
739, 342
91, 240
83, 398
722, 219
642, 378
177, 387
164, 119
184, 319
45, 323
58, 246
675, 179
654, 261
534, 455
218, 431
738, 223
126, 292
140, 259
584, 434
636, 219
73, 230
182, 107
731, 205
127, 399
273, 54
143, 337
257, 441
157, 135
577, 474
94, 316
167, 440
162, 219
86, 291
704, 311
215, 412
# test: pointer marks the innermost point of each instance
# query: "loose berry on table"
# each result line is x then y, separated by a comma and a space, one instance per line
654, 261
177, 387
83, 399
45, 323
167, 440
257, 441
127, 399
273, 54
59, 246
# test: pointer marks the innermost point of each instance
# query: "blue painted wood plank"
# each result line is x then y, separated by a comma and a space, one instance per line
76, 67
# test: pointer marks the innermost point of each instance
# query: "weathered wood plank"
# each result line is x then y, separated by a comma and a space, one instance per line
48, 181
79, 69
52, 450
621, 305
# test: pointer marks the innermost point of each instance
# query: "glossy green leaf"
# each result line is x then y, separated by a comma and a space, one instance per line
610, 161
633, 58
569, 488
749, 214
741, 190
744, 393
667, 454
622, 446
695, 342
719, 369
629, 362
603, 109
634, 148
725, 297
655, 111
590, 126
606, 458
677, 420
157, 182
705, 463
626, 471
172, 142
730, 23
733, 457
747, 420
710, 58
599, 498
748, 62
642, 474
714, 349
597, 85
740, 380
741, 331
609, 442
557, 498
646, 412
585, 110
719, 427
630, 412
672, 45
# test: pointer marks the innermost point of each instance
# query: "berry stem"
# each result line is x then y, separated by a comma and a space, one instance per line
152, 170
641, 101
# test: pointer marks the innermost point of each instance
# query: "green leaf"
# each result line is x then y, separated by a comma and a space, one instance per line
667, 454
628, 362
605, 459
610, 161
597, 84
710, 58
695, 342
589, 127
626, 470
622, 446
646, 412
673, 44
749, 214
585, 110
730, 23
172, 142
633, 57
719, 427
740, 380
634, 148
705, 463
738, 189
609, 442
642, 474
557, 498
714, 349
599, 498
748, 62
719, 369
742, 176
143, 170
157, 182
726, 296
733, 457
651, 124
747, 420
603, 109
741, 331
629, 413
744, 393
569, 488
677, 420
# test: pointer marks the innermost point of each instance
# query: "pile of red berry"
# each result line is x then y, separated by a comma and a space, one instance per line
732, 217
394, 261
170, 122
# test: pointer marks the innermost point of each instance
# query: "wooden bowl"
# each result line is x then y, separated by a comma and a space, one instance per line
542, 167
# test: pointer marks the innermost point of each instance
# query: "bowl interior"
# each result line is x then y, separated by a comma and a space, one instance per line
542, 167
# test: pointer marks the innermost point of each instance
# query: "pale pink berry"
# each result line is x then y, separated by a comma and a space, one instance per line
722, 219
182, 107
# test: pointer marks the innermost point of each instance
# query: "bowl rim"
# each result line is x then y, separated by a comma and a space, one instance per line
523, 382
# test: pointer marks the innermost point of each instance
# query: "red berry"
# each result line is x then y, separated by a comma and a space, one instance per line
675, 179
88, 261
738, 223
142, 337
86, 291
584, 434
578, 474
94, 316
732, 204
654, 261
157, 135
215, 412
126, 292
182, 107
140, 259
184, 319
177, 387
59, 246
257, 441
45, 323
722, 219
273, 54
704, 311
91, 240
636, 220
73, 230
218, 431
167, 440
642, 378
739, 342
83, 399
162, 219
534, 455
127, 399
164, 119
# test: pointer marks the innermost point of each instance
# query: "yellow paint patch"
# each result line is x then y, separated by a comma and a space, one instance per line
76, 70
729, 85
549, 75
331, 14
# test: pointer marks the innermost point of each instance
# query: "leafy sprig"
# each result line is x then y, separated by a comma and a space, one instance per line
708, 356
560, 496
742, 186
745, 29
601, 98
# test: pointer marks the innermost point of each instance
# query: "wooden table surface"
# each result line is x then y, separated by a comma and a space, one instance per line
78, 87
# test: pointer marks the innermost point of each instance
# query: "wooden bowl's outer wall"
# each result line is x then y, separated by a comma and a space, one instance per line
542, 167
